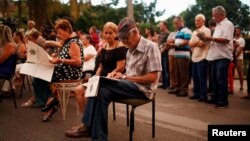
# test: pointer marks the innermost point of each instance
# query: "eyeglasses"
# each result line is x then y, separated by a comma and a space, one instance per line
125, 39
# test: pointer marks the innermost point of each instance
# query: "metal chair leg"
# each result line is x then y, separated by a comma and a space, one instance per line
153, 119
131, 128
22, 87
114, 116
127, 111
27, 78
13, 94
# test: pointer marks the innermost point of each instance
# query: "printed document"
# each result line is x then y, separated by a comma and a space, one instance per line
38, 63
93, 85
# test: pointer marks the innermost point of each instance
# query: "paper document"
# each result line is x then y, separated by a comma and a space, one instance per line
38, 63
93, 85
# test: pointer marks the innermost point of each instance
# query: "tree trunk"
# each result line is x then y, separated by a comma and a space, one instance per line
74, 9
5, 8
130, 9
39, 12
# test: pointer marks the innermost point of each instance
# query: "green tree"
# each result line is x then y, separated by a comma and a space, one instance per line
144, 13
100, 14
237, 12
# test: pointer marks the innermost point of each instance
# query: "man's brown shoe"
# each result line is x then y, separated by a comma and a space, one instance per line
79, 131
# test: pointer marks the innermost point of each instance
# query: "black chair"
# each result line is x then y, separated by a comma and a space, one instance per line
135, 103
11, 64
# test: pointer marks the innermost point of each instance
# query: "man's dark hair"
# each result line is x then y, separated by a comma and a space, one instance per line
211, 22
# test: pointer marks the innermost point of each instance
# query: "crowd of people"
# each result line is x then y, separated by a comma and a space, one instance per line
207, 54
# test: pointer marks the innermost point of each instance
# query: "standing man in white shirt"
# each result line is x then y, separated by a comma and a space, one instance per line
220, 54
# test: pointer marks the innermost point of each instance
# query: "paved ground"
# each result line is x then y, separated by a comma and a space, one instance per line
177, 119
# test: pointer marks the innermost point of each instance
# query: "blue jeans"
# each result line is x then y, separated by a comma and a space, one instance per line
165, 72
220, 82
42, 91
200, 78
96, 111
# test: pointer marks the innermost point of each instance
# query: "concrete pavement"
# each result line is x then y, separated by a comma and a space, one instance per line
177, 119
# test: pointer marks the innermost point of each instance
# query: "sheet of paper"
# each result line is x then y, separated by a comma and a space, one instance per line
92, 86
37, 54
29, 69
38, 64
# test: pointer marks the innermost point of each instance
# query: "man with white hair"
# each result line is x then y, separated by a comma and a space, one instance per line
199, 50
31, 26
220, 54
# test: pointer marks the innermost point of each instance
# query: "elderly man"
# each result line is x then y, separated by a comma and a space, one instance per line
200, 64
138, 82
31, 26
220, 54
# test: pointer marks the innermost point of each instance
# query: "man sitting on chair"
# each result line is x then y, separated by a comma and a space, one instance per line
143, 66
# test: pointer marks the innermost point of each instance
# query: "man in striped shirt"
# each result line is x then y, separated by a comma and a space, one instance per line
182, 55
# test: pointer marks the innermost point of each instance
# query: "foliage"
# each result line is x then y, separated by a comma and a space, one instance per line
237, 12
100, 14
144, 13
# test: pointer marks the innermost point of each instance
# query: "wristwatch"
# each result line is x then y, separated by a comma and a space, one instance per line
124, 76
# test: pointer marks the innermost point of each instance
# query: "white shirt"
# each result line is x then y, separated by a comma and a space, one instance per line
241, 43
200, 53
171, 36
90, 64
224, 29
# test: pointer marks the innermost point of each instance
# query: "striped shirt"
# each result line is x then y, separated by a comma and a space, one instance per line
182, 34
145, 58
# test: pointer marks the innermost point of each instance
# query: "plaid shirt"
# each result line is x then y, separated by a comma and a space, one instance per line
145, 58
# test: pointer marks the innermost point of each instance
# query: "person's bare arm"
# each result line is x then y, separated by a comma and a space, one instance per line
143, 79
10, 49
120, 66
218, 40
99, 69
74, 52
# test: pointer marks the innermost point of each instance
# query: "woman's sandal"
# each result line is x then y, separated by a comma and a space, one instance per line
50, 105
47, 117
28, 104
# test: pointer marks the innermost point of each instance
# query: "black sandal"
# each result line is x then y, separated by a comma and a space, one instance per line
50, 105
47, 117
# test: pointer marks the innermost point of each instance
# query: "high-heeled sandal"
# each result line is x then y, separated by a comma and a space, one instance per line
54, 110
50, 105
47, 117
